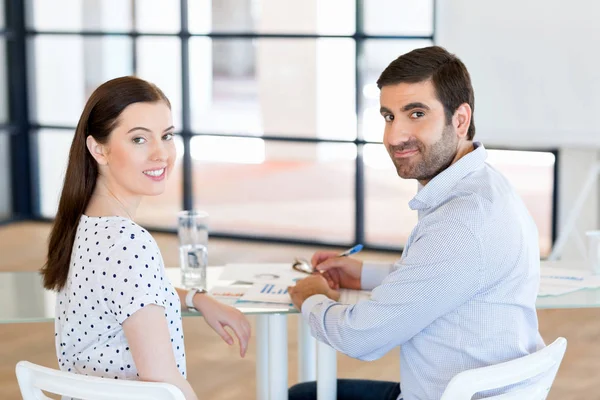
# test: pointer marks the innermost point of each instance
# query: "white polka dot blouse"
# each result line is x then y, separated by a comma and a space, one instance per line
116, 269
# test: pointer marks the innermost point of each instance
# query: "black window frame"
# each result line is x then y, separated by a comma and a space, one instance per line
24, 161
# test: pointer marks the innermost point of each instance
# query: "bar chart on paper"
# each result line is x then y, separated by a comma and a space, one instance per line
268, 292
271, 289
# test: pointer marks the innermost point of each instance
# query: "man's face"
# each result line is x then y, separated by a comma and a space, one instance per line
416, 135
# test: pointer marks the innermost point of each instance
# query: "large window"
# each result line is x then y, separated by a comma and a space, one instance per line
275, 102
389, 220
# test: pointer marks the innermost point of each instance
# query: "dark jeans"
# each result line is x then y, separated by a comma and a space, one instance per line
349, 389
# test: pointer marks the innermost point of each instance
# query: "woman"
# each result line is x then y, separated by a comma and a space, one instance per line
118, 316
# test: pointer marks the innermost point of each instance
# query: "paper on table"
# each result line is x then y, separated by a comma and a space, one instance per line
228, 294
268, 292
556, 281
282, 273
228, 291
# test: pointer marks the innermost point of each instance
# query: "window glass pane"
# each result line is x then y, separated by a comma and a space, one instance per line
275, 188
77, 15
288, 87
159, 61
389, 220
53, 147
532, 176
378, 54
2, 15
5, 184
331, 17
398, 17
161, 211
158, 16
68, 68
3, 86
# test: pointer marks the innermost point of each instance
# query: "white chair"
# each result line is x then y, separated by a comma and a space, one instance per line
546, 361
34, 378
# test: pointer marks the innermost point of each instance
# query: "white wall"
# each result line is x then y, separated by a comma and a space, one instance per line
393, 17
534, 66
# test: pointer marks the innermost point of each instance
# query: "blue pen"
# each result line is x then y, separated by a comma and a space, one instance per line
351, 251
303, 265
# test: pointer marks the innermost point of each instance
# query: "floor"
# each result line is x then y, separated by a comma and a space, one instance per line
215, 370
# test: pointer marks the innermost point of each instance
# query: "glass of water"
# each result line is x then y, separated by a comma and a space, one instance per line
192, 229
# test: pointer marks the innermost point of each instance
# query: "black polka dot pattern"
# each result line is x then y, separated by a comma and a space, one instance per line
103, 290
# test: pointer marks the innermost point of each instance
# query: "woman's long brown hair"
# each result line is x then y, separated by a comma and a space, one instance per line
98, 119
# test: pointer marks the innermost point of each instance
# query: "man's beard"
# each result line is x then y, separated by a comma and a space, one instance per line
434, 159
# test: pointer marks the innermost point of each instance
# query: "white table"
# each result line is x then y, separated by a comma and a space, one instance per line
272, 347
271, 330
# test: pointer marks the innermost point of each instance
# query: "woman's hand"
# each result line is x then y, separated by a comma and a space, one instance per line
219, 315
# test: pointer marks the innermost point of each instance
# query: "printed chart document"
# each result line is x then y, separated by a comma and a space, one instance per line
274, 273
274, 292
228, 294
268, 292
559, 280
270, 283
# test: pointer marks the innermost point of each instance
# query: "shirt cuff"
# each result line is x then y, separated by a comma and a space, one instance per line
373, 274
312, 301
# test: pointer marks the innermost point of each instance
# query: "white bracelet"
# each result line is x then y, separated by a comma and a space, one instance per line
190, 296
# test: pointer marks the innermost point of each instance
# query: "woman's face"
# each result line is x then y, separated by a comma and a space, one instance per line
140, 151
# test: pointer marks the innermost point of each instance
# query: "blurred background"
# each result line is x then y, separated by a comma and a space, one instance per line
276, 105
279, 140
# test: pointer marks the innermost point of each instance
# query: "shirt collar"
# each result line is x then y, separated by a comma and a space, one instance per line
437, 189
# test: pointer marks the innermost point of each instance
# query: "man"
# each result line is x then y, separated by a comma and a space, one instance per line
463, 294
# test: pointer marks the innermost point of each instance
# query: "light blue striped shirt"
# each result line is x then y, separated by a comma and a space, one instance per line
463, 294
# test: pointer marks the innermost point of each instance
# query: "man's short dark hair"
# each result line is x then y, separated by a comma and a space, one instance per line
448, 74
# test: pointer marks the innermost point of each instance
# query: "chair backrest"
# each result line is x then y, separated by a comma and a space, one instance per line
543, 363
35, 378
